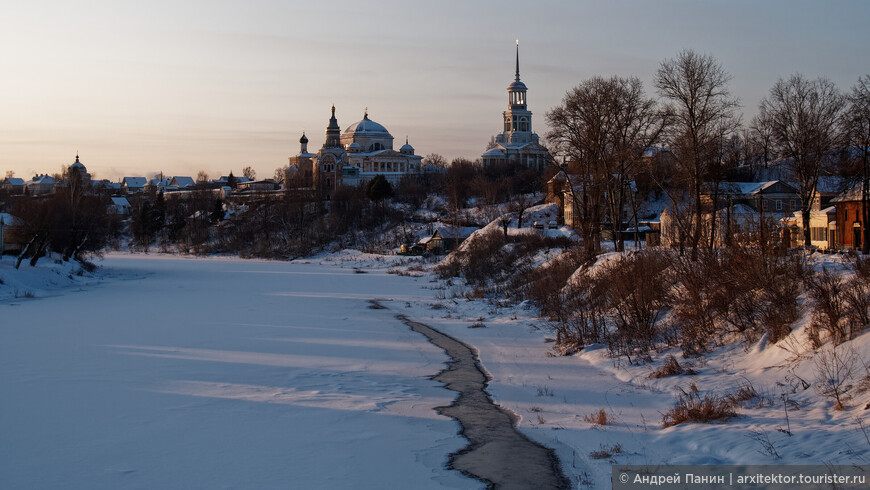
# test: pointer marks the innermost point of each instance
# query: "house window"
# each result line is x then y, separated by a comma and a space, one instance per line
778, 204
764, 204
795, 204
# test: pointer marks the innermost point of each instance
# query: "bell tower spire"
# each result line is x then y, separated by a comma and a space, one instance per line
333, 132
517, 119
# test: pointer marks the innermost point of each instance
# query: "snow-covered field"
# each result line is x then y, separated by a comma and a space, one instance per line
223, 373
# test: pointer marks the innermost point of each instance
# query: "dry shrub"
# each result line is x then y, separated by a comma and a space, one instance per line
700, 290
761, 291
487, 257
744, 393
834, 370
606, 452
858, 296
476, 260
638, 294
691, 406
751, 291
578, 313
597, 418
543, 283
671, 367
830, 309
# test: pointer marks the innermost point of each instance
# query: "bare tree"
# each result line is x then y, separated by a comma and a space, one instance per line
857, 125
803, 118
607, 124
280, 172
249, 173
435, 160
695, 87
202, 177
762, 140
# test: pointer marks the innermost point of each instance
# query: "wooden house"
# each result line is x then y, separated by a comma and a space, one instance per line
446, 239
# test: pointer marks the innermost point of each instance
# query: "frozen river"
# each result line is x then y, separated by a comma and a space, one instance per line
183, 373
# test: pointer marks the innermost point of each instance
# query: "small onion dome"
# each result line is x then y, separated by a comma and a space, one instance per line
77, 163
303, 139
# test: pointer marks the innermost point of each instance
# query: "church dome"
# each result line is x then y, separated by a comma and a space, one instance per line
303, 139
366, 127
78, 166
517, 86
354, 147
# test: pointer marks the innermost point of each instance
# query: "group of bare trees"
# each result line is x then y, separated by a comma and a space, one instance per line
605, 126
69, 222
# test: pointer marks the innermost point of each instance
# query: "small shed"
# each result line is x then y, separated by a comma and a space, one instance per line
11, 234
448, 238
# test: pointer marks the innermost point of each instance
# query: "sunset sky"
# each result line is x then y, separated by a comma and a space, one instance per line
181, 86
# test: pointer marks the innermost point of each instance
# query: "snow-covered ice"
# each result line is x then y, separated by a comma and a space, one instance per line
182, 373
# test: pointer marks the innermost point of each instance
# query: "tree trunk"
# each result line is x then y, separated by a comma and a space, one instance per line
24, 252
805, 215
865, 194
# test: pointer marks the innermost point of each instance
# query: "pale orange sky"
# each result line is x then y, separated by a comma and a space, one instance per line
183, 86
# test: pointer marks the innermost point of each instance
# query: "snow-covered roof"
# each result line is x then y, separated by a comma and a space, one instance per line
494, 152
182, 182
851, 194
225, 178
9, 220
121, 202
456, 232
134, 181
14, 181
751, 188
42, 179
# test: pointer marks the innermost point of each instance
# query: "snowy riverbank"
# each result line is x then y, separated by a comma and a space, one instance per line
178, 372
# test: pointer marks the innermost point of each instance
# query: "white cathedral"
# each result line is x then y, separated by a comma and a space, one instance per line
517, 144
352, 157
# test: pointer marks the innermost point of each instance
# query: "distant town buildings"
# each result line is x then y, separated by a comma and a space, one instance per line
352, 157
517, 143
